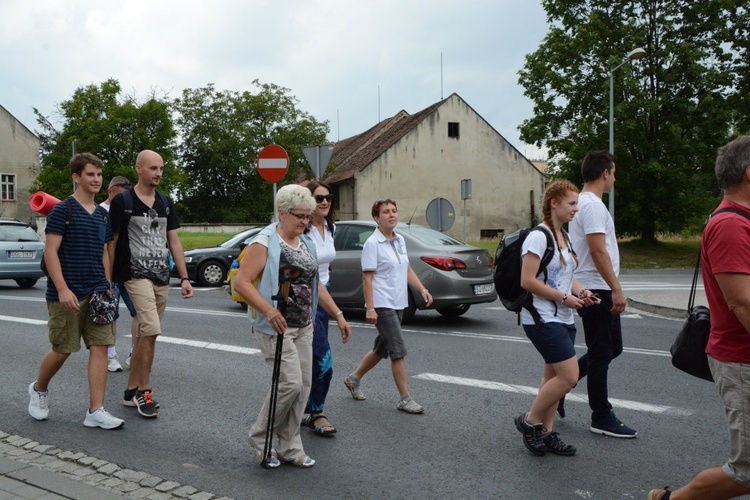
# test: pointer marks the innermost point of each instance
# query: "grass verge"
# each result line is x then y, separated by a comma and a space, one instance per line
670, 253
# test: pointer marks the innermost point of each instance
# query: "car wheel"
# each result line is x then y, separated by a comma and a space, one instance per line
410, 310
454, 312
26, 282
211, 274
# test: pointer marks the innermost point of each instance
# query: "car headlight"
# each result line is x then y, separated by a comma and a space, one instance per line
188, 259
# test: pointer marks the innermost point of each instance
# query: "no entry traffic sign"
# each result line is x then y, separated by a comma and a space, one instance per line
273, 163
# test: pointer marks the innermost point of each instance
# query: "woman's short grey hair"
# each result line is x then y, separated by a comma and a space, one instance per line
732, 161
294, 196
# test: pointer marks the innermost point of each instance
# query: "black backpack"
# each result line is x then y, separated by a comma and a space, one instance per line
507, 271
68, 217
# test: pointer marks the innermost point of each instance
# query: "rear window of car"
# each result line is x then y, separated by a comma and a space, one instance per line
17, 232
430, 236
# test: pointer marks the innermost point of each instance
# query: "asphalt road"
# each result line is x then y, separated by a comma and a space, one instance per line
473, 374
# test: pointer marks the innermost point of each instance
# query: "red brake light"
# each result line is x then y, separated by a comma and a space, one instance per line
444, 263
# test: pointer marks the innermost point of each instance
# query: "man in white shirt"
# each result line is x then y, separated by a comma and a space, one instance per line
592, 233
117, 185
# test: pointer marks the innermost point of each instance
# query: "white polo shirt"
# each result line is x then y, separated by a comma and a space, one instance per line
390, 263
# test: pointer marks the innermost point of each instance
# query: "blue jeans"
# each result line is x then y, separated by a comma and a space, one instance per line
604, 342
120, 292
322, 364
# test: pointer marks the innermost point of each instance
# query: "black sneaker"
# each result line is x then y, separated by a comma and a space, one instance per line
145, 404
555, 445
612, 427
532, 435
130, 394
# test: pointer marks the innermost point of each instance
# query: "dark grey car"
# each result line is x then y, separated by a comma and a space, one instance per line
21, 252
457, 275
209, 266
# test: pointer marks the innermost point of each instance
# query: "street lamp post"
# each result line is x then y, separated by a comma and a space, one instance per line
634, 54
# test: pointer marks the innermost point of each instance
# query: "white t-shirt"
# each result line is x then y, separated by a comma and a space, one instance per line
593, 218
326, 250
104, 205
559, 277
389, 261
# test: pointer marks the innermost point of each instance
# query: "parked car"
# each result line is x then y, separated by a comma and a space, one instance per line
209, 266
457, 275
21, 252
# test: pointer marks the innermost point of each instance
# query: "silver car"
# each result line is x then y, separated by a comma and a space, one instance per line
21, 252
457, 275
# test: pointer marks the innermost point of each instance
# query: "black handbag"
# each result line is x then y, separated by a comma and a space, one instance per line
689, 348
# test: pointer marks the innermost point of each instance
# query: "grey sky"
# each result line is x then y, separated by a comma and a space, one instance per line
347, 62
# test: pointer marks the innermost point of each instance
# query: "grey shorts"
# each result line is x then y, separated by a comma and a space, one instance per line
389, 342
733, 382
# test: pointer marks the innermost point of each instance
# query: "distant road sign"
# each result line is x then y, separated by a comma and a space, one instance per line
440, 214
273, 163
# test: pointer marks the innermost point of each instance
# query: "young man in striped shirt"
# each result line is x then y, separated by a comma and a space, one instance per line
78, 265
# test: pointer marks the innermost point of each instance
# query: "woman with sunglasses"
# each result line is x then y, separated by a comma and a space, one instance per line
283, 253
385, 274
321, 232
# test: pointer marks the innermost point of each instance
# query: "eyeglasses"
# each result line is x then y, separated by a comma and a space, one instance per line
328, 197
154, 218
301, 217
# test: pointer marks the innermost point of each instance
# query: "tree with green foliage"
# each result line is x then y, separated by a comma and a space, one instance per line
113, 127
672, 111
222, 133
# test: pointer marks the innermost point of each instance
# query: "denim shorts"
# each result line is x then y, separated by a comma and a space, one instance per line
390, 341
554, 341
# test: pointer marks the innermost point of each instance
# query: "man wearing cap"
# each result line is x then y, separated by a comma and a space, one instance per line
117, 185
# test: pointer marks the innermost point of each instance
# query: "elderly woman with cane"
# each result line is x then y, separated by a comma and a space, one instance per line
281, 260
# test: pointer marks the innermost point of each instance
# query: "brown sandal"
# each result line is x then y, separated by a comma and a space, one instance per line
310, 422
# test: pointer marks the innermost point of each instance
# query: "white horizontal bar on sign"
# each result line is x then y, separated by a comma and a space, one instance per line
264, 163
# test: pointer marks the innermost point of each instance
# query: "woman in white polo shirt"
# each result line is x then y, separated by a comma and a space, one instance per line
386, 271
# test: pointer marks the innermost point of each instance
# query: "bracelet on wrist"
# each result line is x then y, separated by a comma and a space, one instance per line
184, 279
581, 293
565, 297
424, 290
370, 310
338, 314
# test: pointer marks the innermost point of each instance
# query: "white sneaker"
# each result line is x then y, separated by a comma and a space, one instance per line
113, 365
102, 418
38, 407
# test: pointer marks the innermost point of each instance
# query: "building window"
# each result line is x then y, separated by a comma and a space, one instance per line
8, 187
453, 129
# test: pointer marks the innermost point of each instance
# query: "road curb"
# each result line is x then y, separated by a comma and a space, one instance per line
671, 312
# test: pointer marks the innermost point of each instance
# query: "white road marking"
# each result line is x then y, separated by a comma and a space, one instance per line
206, 345
532, 391
28, 321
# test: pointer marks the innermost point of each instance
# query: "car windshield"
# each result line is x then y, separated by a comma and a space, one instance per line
13, 232
237, 239
430, 236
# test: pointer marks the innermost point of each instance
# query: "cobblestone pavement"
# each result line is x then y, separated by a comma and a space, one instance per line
29, 469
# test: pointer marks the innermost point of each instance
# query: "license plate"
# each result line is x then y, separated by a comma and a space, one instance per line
482, 289
18, 254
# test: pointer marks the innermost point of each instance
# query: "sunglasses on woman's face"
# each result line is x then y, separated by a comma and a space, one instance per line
327, 197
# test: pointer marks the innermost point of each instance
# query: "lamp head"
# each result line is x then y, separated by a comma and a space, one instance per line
634, 54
